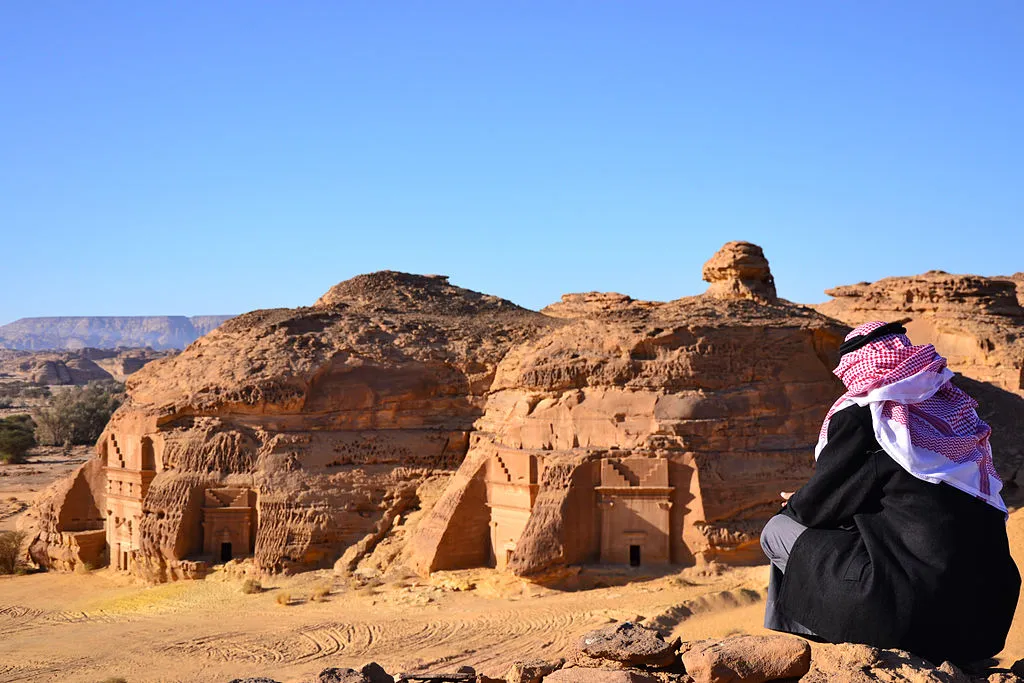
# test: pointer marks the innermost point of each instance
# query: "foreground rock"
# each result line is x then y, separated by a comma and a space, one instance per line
746, 659
614, 652
532, 671
630, 644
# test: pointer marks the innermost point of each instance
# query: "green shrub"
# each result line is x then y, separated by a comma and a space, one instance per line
78, 415
10, 550
250, 586
16, 438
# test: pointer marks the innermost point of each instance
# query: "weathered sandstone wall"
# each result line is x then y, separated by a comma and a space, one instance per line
665, 430
291, 434
977, 323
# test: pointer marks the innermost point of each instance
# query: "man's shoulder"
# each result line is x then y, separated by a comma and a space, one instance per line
852, 415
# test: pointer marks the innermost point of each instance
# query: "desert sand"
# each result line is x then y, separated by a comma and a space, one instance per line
90, 626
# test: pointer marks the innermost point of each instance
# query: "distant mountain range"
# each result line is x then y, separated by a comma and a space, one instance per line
160, 332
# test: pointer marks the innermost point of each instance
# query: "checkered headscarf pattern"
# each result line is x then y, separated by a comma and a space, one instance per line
920, 418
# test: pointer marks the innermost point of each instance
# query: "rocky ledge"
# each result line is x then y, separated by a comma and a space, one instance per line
632, 653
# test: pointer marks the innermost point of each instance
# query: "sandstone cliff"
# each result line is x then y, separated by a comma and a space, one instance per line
977, 323
641, 432
62, 333
403, 419
294, 434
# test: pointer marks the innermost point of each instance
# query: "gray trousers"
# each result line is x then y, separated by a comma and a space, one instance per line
777, 539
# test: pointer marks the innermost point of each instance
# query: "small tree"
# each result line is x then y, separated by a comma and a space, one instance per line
78, 415
16, 438
10, 550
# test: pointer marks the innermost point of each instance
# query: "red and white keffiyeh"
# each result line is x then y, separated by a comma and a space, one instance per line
922, 421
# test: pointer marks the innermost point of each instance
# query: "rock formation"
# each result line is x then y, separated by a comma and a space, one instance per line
977, 323
74, 367
601, 429
733, 659
740, 270
640, 433
291, 435
159, 332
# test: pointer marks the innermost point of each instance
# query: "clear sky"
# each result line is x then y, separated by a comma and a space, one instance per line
216, 157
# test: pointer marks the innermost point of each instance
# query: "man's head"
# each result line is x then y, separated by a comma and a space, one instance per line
880, 353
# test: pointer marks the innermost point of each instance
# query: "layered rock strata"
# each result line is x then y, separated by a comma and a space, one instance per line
977, 323
640, 433
291, 435
600, 430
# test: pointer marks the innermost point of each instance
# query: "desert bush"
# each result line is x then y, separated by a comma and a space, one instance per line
320, 593
114, 679
78, 415
35, 392
284, 598
10, 550
83, 568
250, 586
16, 438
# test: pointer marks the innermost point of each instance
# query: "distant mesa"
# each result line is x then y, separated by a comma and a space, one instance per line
159, 332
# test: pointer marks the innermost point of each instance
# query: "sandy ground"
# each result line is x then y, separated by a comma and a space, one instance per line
88, 627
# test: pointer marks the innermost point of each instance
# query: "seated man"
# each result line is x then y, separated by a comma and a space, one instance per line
898, 540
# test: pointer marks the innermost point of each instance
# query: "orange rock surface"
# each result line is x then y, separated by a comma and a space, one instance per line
601, 429
977, 323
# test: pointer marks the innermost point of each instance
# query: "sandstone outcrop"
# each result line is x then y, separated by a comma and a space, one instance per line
291, 435
629, 644
601, 429
402, 419
159, 332
640, 433
746, 659
977, 323
740, 270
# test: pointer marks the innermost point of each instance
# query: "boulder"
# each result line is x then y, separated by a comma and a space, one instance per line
532, 671
740, 271
336, 675
375, 673
851, 663
629, 644
746, 659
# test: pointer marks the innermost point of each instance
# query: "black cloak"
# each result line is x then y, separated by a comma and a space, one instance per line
892, 561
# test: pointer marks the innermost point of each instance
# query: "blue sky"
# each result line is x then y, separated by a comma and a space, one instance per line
217, 157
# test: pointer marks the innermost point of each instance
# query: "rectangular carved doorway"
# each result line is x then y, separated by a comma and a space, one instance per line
634, 556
